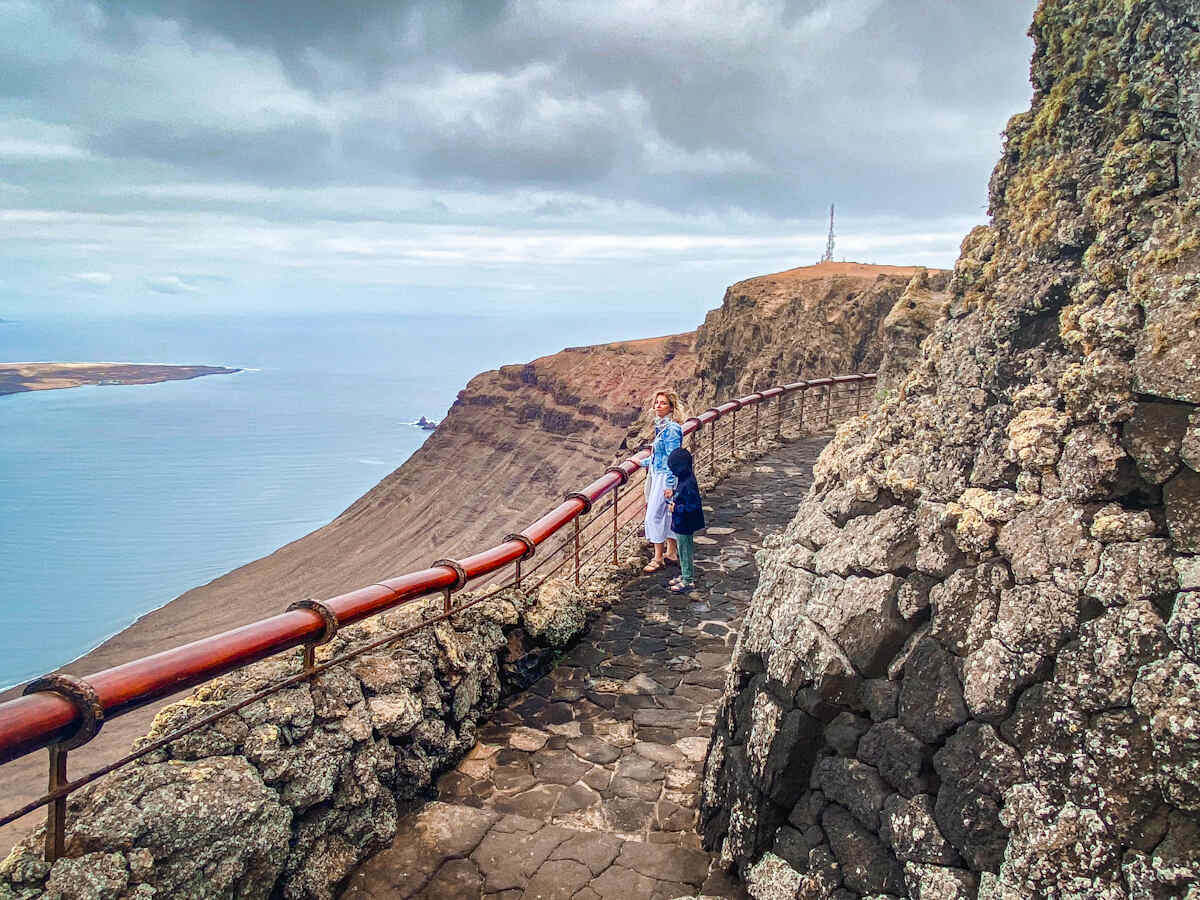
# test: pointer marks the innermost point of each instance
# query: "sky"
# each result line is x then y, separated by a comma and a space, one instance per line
183, 156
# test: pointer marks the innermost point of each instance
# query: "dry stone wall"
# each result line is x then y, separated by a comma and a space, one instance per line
286, 796
969, 669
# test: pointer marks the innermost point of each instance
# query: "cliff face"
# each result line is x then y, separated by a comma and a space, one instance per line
969, 667
513, 442
809, 322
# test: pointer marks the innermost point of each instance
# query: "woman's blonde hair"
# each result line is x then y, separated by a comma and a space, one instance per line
677, 412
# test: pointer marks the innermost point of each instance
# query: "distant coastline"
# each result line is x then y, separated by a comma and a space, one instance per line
19, 377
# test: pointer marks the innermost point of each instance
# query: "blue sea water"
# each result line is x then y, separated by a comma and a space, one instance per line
115, 499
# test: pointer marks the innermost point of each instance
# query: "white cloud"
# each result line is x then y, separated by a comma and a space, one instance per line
171, 284
98, 279
13, 148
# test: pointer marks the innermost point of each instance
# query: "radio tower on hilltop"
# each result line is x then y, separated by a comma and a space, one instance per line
828, 257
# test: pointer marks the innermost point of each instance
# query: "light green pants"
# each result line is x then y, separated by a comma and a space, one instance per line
687, 553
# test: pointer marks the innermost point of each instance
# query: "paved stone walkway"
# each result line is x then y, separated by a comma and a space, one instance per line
585, 786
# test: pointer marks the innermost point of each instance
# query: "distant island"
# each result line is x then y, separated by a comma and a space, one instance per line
18, 377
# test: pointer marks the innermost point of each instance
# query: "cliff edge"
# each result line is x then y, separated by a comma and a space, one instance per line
969, 668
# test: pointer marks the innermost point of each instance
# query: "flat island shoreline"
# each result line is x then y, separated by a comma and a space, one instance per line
20, 377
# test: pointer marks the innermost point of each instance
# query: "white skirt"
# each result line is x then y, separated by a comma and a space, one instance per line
658, 517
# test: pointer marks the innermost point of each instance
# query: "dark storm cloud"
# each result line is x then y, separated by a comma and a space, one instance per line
617, 99
369, 36
613, 119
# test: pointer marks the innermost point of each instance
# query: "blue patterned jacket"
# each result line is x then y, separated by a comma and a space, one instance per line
668, 435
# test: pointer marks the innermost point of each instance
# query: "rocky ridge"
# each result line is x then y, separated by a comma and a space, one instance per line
918, 311
969, 669
808, 322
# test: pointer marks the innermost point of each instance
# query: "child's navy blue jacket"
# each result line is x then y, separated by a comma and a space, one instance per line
687, 517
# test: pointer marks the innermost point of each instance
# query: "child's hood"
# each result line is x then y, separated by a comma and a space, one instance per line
680, 463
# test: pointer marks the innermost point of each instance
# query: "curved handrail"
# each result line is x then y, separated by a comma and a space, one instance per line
40, 719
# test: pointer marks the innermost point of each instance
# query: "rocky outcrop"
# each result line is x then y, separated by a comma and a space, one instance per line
969, 669
920, 308
809, 322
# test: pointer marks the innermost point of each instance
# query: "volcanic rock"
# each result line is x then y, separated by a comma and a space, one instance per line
1030, 485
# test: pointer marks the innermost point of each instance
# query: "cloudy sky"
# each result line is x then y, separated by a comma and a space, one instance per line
163, 155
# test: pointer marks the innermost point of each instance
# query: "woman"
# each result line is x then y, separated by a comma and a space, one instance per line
660, 482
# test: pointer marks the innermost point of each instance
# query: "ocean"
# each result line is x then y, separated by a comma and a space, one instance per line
116, 499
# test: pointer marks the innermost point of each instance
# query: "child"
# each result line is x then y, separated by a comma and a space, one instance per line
687, 517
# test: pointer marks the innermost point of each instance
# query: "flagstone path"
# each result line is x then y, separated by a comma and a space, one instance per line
585, 785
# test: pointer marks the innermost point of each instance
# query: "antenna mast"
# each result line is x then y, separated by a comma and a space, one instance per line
828, 257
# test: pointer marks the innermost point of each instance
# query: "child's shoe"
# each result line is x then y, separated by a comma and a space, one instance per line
681, 586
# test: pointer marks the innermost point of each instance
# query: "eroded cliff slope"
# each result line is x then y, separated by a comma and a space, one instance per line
969, 669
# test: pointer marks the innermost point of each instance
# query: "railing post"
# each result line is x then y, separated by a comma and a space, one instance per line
800, 422
858, 399
757, 435
524, 556
828, 404
331, 627
712, 449
587, 508
733, 434
90, 713
577, 551
460, 581
779, 416
56, 810
616, 504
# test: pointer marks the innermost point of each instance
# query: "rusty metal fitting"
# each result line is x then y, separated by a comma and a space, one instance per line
82, 696
326, 614
530, 547
587, 501
459, 572
617, 470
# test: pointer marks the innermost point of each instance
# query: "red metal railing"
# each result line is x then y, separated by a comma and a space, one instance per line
62, 713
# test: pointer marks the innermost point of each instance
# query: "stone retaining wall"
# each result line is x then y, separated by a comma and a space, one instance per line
290, 793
